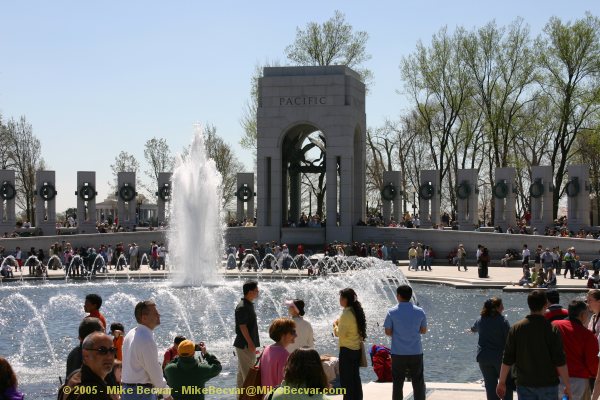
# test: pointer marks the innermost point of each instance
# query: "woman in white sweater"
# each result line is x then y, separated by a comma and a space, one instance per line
304, 329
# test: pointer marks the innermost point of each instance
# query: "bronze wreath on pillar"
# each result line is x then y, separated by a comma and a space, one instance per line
87, 192
127, 192
500, 190
7, 191
389, 192
244, 193
47, 191
536, 190
164, 192
463, 190
426, 191
573, 188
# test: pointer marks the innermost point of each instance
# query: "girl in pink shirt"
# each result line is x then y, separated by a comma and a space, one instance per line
274, 357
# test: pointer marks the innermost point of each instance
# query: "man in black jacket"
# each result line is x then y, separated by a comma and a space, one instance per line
98, 360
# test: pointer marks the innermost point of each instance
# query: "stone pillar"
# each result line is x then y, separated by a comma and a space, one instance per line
429, 208
346, 194
391, 195
578, 197
245, 195
331, 191
126, 199
86, 201
504, 198
45, 202
541, 197
163, 195
467, 207
295, 191
8, 195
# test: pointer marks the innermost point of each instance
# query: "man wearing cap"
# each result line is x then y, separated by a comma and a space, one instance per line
98, 360
141, 369
189, 372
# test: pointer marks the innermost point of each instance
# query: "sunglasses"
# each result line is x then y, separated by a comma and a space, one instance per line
105, 350
293, 332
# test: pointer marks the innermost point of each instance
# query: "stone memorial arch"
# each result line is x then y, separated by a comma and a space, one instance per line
311, 126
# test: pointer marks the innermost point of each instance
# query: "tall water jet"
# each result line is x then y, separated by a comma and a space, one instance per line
195, 228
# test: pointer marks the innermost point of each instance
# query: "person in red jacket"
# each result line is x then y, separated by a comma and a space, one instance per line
581, 348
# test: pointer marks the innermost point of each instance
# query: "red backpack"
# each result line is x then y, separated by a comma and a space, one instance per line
381, 358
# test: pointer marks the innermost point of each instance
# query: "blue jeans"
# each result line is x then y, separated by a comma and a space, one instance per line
491, 373
134, 393
537, 393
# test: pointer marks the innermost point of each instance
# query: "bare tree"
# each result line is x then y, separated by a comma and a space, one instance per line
26, 157
570, 61
248, 118
124, 162
159, 158
226, 162
438, 84
332, 43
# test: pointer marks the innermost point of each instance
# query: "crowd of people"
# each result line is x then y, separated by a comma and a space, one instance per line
79, 261
552, 352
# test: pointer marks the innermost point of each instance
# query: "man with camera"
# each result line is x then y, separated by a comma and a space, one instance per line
187, 375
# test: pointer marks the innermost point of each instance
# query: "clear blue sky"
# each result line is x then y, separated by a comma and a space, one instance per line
95, 78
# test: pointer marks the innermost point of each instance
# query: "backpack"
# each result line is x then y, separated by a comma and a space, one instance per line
381, 359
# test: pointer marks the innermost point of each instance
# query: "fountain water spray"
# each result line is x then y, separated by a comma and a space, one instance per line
195, 228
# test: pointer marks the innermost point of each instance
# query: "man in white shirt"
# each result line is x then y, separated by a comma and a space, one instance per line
133, 256
526, 254
142, 374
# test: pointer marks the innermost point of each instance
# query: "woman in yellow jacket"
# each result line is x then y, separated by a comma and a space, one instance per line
351, 328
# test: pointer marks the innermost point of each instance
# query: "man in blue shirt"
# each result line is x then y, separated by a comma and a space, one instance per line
405, 323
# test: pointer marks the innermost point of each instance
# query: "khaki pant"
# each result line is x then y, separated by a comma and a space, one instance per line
246, 360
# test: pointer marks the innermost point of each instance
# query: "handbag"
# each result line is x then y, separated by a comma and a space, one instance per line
252, 380
363, 355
